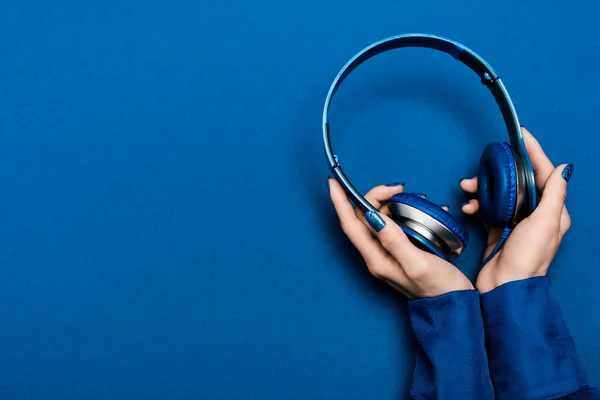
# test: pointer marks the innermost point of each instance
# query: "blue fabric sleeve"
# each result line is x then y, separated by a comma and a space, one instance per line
451, 361
530, 350
583, 394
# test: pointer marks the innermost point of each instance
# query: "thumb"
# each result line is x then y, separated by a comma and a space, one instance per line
555, 191
392, 237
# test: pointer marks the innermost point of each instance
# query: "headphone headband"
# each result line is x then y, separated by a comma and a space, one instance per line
463, 54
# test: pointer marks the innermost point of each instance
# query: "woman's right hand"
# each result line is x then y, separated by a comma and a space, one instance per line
387, 251
532, 245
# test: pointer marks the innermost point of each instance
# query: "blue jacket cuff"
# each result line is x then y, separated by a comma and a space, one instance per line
451, 361
530, 350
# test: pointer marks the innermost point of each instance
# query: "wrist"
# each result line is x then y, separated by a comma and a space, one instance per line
461, 285
495, 275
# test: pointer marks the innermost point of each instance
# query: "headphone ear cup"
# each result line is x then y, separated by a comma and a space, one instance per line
497, 183
443, 217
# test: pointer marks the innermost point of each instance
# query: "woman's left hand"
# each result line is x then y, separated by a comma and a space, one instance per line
532, 245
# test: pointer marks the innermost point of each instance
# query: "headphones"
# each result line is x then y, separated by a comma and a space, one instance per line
506, 182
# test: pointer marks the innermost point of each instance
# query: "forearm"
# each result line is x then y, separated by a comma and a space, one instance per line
451, 361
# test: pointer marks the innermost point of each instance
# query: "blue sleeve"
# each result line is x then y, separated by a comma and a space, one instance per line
583, 394
451, 361
530, 350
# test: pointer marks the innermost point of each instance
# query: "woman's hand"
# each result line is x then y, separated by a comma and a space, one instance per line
388, 252
533, 243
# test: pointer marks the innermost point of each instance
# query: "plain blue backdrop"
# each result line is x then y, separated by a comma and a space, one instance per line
166, 231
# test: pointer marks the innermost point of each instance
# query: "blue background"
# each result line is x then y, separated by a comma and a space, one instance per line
166, 230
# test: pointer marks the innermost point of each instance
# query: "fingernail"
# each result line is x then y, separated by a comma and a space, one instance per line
445, 205
567, 172
463, 178
375, 221
522, 126
465, 203
423, 195
395, 184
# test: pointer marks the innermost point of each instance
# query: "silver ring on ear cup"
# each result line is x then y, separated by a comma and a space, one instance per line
430, 229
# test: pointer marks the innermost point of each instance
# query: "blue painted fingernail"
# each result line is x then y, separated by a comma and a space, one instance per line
567, 172
423, 195
465, 203
445, 205
522, 126
375, 221
395, 184
463, 178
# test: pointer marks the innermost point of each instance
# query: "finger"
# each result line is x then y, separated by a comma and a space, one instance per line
470, 207
392, 238
447, 208
469, 185
381, 264
555, 193
542, 166
381, 194
357, 232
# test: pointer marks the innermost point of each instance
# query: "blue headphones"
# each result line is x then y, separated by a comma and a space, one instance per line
507, 192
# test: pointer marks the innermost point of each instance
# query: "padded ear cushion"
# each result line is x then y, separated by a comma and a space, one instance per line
497, 185
436, 212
